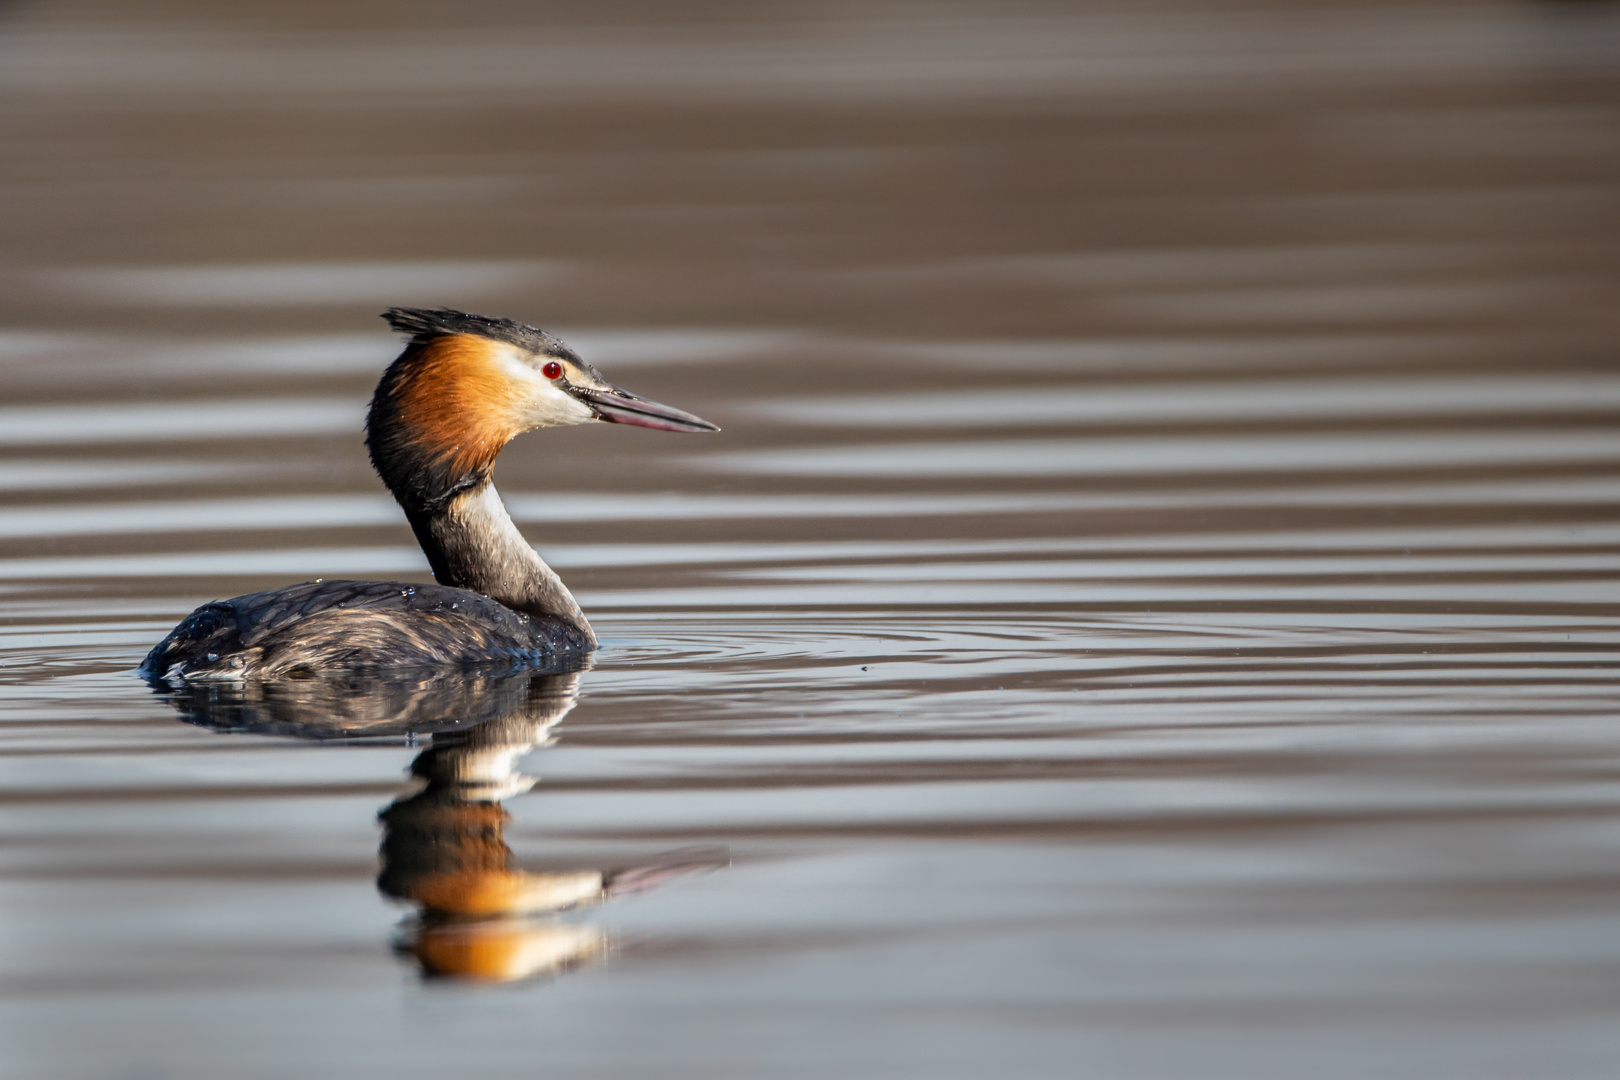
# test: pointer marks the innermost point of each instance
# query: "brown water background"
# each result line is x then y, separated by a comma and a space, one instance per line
1152, 610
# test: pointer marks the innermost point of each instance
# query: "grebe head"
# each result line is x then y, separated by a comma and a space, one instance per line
523, 375
466, 385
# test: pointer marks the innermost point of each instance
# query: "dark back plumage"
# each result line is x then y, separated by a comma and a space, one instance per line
354, 626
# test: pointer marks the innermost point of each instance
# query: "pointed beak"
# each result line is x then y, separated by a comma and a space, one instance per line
622, 407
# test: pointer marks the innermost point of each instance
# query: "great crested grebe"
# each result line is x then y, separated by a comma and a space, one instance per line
464, 387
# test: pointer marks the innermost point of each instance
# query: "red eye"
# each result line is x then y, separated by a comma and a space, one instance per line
552, 370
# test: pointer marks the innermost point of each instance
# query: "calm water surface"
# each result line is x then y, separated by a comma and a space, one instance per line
1152, 611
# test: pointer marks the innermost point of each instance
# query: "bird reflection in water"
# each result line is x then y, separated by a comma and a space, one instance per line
478, 916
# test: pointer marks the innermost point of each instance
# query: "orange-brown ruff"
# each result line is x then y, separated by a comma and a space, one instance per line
457, 403
464, 387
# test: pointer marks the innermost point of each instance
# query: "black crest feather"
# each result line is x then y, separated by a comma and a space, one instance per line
424, 324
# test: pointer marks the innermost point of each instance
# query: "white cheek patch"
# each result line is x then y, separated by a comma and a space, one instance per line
551, 407
538, 401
